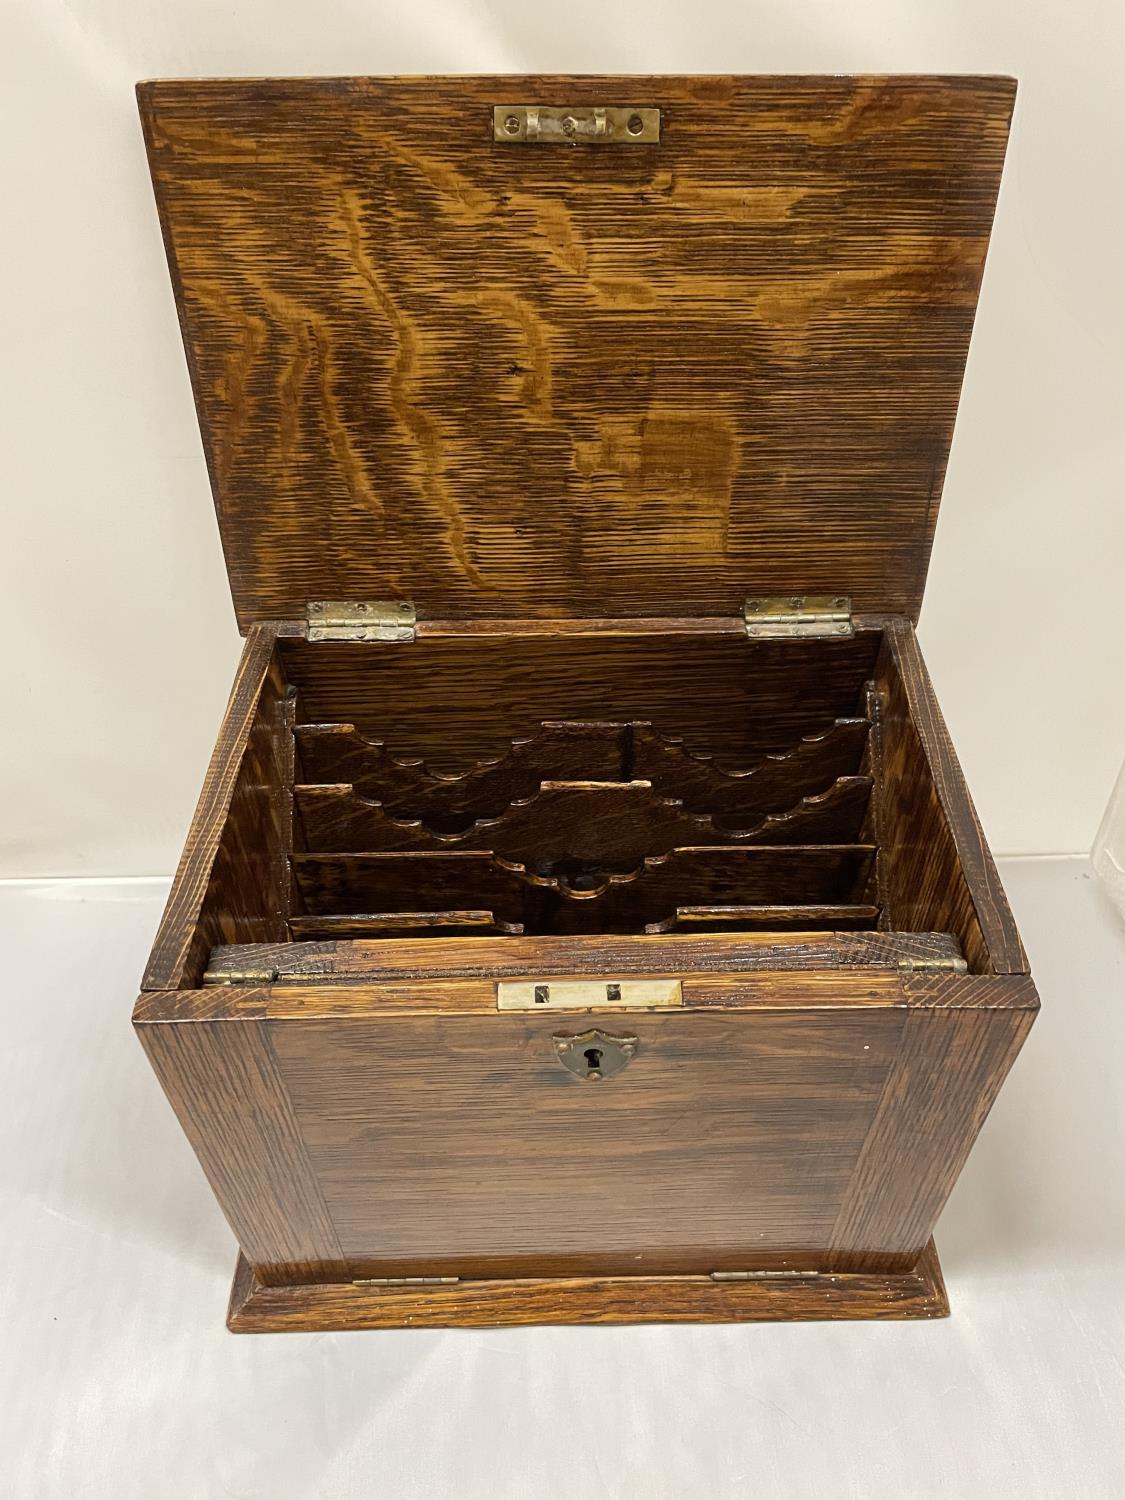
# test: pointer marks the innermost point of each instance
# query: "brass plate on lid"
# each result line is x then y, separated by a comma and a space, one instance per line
570, 125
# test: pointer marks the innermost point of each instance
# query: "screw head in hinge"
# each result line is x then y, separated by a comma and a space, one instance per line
361, 620
796, 616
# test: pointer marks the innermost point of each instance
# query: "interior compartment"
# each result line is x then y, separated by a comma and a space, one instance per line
621, 786
547, 786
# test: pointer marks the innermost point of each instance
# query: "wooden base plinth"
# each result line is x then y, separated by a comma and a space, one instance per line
322, 1307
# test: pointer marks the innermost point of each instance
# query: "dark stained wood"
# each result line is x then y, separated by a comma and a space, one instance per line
953, 1058
726, 695
344, 1305
653, 954
232, 884
356, 883
400, 924
578, 404
459, 1145
221, 1078
739, 799
750, 989
520, 382
685, 919
767, 918
942, 873
592, 751
578, 825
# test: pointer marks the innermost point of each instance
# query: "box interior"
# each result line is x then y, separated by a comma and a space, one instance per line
522, 785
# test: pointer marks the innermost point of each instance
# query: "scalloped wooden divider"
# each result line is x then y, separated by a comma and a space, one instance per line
580, 751
611, 824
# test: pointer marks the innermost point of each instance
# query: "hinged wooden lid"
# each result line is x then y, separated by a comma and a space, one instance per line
540, 376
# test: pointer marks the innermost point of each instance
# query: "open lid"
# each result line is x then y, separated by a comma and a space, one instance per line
570, 358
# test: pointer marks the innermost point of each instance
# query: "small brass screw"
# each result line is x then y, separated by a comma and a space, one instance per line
512, 124
634, 125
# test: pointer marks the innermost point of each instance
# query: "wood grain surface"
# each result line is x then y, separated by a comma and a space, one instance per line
458, 1144
578, 825
547, 382
256, 1307
353, 883
232, 881
940, 870
596, 954
587, 751
220, 1075
949, 1069
723, 694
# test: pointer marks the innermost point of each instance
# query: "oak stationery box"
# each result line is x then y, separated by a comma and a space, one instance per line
585, 918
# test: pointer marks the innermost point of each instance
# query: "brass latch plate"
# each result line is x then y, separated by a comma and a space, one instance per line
587, 994
361, 620
793, 616
572, 124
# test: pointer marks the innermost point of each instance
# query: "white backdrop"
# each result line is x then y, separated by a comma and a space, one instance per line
118, 641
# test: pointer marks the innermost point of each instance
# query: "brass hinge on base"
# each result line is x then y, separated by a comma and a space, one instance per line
361, 620
762, 1275
797, 616
406, 1281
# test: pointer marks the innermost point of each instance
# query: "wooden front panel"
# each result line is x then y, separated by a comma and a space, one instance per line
461, 1145
544, 381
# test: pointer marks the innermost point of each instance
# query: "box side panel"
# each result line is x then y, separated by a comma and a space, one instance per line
961, 1038
211, 1052
936, 868
232, 881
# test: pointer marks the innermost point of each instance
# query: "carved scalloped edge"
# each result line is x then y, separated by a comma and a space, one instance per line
481, 827
382, 752
675, 744
671, 744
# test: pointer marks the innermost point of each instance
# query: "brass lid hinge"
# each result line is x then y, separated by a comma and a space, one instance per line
361, 620
240, 976
945, 963
795, 616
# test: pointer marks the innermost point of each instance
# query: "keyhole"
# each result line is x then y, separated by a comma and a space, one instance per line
593, 1056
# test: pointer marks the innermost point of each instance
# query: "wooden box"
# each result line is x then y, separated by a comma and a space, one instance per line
585, 918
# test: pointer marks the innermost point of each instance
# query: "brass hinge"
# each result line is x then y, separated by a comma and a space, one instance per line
240, 976
792, 616
361, 620
567, 125
948, 963
406, 1281
762, 1275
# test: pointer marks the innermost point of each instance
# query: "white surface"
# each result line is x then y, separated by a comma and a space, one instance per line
108, 518
118, 1380
1108, 854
